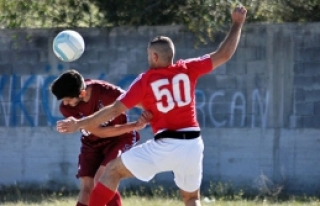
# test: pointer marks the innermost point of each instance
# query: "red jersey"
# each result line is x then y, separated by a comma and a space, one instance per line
102, 94
169, 94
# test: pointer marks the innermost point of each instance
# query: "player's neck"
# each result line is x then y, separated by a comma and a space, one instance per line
161, 65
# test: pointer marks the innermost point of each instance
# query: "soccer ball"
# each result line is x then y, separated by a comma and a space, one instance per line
68, 45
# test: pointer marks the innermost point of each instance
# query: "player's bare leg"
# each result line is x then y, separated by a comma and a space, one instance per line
108, 183
191, 198
85, 190
99, 173
114, 172
116, 200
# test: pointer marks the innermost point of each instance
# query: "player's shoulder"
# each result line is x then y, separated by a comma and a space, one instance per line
142, 76
104, 87
96, 83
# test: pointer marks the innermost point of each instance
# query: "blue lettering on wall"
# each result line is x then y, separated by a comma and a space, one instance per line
27, 101
17, 101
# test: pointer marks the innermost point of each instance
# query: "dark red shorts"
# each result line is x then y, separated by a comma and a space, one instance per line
91, 158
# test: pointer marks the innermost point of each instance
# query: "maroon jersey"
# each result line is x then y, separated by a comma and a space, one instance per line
102, 94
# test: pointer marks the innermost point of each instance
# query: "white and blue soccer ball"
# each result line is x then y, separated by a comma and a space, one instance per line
68, 45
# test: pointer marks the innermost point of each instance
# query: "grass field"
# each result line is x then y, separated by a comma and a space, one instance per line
141, 201
15, 196
57, 199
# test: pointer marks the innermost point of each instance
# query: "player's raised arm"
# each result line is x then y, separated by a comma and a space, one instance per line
116, 130
71, 125
230, 43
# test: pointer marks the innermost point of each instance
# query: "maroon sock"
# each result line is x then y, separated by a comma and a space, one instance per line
80, 204
116, 200
100, 195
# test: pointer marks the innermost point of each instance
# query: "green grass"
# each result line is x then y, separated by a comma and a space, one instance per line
33, 198
216, 195
143, 201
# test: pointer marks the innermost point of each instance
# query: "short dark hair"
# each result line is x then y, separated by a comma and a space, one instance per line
68, 84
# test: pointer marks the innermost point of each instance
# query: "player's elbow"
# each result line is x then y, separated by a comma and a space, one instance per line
225, 55
118, 108
220, 57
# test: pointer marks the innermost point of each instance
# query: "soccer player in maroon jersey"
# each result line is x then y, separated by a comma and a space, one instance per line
101, 143
167, 90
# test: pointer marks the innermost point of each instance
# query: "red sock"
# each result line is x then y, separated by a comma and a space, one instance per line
116, 200
100, 195
80, 204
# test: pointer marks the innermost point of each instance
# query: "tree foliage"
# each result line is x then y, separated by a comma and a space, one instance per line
202, 17
47, 13
298, 10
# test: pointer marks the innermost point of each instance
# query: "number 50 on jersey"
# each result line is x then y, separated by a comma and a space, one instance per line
173, 94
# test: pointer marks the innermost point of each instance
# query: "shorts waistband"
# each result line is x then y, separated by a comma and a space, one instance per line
177, 134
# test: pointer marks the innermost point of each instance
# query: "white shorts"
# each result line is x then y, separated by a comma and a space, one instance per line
182, 157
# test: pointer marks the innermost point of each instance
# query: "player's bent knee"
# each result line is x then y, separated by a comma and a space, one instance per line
87, 190
110, 170
116, 169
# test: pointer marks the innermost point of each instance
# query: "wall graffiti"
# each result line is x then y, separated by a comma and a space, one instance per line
26, 101
234, 107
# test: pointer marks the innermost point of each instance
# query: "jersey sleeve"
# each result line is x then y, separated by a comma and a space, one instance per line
134, 94
199, 66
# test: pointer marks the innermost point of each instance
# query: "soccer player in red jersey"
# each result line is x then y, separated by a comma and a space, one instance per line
167, 90
101, 143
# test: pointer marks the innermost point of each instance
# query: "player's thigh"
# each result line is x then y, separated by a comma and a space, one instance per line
188, 176
140, 160
188, 182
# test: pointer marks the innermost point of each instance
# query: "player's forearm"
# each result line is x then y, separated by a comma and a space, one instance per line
230, 43
97, 118
112, 131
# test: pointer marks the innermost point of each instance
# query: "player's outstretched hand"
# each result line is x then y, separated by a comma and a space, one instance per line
143, 120
68, 125
239, 15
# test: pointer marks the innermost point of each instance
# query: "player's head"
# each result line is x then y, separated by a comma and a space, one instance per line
160, 52
69, 87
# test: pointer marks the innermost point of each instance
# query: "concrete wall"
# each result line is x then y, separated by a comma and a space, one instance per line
259, 112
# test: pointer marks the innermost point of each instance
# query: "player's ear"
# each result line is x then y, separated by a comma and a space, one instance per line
83, 93
155, 56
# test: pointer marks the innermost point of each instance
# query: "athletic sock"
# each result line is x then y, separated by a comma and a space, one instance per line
100, 195
80, 204
115, 201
